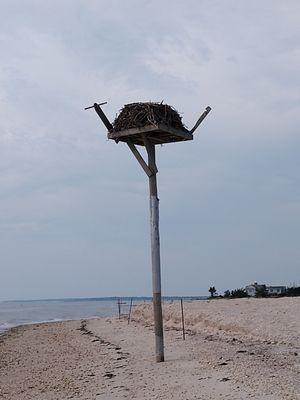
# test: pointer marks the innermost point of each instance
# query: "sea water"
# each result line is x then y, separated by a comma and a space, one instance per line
15, 313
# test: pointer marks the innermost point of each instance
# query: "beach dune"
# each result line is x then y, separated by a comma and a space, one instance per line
234, 349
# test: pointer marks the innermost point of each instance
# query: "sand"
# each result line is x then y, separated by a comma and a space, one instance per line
234, 349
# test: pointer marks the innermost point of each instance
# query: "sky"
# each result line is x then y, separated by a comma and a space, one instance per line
74, 215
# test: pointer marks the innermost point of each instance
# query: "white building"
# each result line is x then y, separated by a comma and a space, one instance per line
276, 290
251, 289
271, 290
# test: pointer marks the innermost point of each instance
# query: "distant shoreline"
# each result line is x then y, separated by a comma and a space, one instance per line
112, 298
17, 313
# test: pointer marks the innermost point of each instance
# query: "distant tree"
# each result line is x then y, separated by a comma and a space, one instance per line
261, 291
227, 293
239, 293
212, 290
293, 291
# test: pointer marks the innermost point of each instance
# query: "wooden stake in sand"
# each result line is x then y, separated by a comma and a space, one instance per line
182, 319
129, 313
149, 124
119, 308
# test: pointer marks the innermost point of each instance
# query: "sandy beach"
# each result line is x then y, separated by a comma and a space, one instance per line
234, 349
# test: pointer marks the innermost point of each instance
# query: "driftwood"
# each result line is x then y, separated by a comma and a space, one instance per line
137, 115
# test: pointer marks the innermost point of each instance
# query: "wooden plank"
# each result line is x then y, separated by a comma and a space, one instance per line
132, 131
138, 140
156, 131
157, 139
176, 132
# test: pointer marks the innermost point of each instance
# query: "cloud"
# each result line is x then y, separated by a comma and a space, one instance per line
72, 199
251, 74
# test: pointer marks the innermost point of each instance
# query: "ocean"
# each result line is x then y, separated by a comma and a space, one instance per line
15, 313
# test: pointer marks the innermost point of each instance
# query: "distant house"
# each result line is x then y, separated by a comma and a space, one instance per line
251, 289
276, 290
271, 290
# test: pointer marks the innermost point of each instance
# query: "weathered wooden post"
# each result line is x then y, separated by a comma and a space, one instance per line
119, 308
155, 255
149, 124
129, 313
182, 319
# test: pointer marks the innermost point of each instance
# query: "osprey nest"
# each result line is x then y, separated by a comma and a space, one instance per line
137, 115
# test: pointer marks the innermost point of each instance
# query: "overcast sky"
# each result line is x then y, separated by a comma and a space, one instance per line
74, 217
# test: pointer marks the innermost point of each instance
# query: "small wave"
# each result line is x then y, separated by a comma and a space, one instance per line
5, 327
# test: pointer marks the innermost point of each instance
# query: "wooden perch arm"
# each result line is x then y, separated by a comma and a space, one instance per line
103, 117
207, 110
101, 114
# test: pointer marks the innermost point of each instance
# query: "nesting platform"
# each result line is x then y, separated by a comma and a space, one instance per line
157, 122
157, 134
147, 123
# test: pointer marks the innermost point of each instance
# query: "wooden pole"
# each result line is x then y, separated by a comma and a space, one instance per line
155, 256
182, 319
151, 171
129, 314
119, 308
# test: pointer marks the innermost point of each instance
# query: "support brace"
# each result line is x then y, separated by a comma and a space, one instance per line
140, 159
